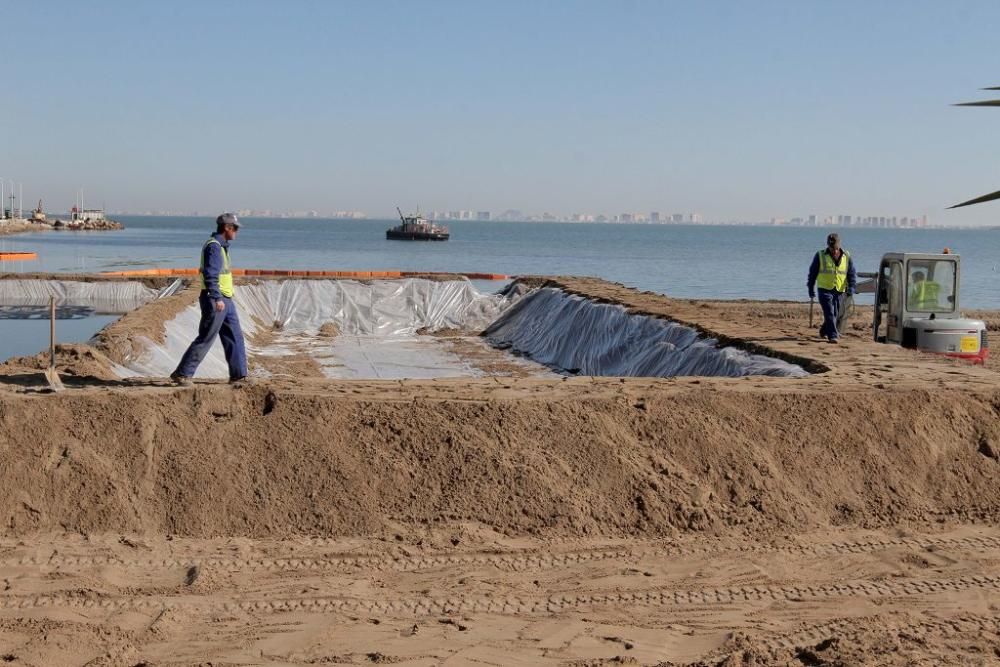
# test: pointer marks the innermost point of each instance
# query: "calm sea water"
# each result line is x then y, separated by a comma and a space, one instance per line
679, 260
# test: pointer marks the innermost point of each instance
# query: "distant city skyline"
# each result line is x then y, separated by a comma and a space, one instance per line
516, 215
737, 111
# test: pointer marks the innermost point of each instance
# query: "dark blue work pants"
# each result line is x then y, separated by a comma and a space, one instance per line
226, 325
831, 302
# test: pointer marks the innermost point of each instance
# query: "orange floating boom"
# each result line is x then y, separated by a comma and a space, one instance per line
17, 256
298, 273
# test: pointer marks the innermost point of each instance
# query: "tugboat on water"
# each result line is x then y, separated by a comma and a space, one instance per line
416, 228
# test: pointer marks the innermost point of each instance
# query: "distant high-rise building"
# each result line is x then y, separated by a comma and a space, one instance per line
812, 221
695, 219
482, 215
625, 217
676, 217
654, 216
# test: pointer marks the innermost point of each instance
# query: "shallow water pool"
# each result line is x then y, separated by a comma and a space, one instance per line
22, 337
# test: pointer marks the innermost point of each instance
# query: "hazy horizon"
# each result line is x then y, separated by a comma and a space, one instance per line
730, 110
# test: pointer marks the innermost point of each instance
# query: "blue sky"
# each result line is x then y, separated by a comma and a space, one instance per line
736, 110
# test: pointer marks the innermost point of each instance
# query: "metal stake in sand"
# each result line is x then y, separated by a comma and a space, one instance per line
55, 384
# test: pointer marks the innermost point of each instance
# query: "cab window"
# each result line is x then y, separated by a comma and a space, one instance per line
930, 286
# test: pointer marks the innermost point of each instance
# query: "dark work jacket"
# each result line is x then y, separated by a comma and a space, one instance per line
211, 256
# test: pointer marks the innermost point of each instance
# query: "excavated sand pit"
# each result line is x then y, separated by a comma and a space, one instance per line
845, 516
395, 329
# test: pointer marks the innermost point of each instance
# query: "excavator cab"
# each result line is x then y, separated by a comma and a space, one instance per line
916, 306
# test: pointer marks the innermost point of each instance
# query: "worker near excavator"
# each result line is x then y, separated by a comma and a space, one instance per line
218, 311
832, 276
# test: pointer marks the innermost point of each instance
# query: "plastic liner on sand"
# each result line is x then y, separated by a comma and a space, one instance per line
109, 297
376, 326
576, 335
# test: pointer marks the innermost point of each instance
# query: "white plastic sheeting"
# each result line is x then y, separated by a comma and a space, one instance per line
377, 324
392, 356
382, 307
575, 335
111, 297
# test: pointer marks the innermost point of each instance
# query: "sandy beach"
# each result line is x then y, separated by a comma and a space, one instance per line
844, 518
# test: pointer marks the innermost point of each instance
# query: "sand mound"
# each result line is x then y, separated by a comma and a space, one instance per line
898, 639
122, 340
81, 361
268, 462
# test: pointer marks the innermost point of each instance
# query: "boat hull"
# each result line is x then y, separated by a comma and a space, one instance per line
394, 235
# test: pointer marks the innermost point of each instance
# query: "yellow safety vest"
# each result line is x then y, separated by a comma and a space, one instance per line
924, 295
833, 275
225, 276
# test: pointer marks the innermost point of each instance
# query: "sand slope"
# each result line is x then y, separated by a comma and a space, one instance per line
602, 458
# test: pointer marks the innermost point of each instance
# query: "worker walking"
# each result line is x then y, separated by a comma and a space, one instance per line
832, 274
218, 312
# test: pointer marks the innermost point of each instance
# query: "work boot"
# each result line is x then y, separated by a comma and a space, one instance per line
181, 380
240, 383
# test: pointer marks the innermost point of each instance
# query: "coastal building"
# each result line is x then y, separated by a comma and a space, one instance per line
85, 214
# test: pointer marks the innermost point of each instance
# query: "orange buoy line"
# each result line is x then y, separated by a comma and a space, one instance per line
282, 273
17, 256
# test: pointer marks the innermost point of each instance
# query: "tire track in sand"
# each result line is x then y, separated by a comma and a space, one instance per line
507, 562
517, 605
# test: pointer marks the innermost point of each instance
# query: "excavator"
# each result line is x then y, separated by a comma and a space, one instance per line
916, 297
917, 306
